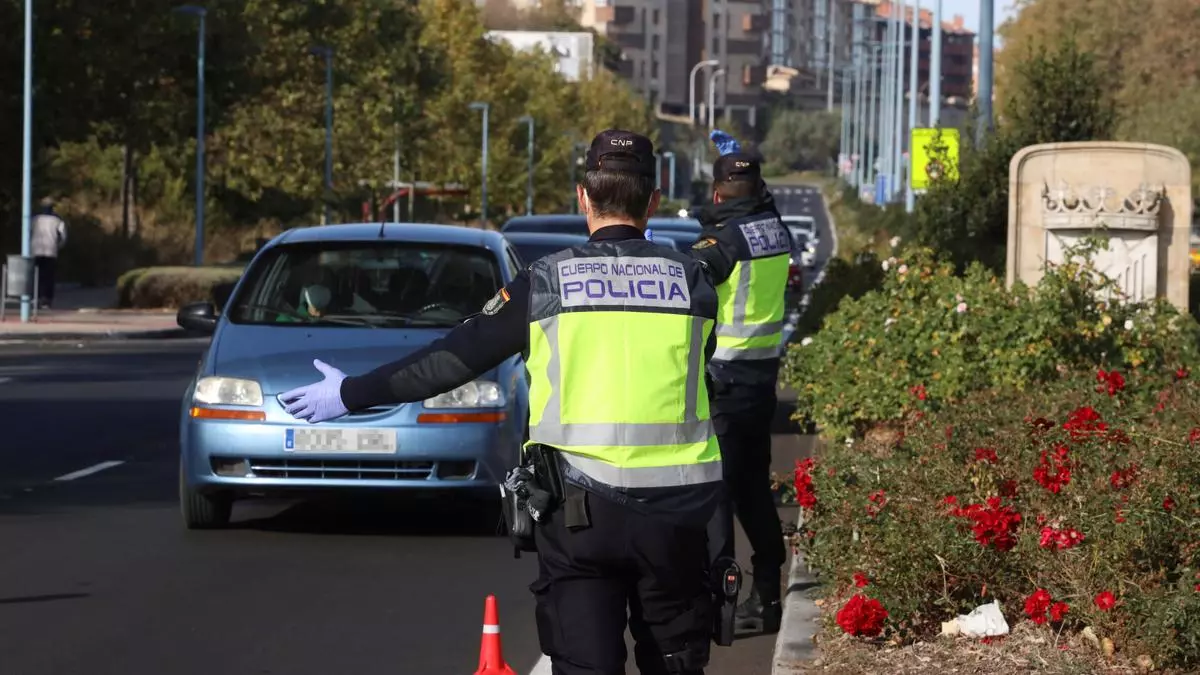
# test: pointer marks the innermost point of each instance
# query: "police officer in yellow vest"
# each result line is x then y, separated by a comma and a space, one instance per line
742, 232
618, 333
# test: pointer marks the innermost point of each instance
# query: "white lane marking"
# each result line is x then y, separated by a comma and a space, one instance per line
5, 379
542, 667
95, 468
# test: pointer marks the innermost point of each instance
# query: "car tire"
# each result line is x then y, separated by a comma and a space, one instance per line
203, 511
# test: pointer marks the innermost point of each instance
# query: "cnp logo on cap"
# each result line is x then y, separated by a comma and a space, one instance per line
741, 165
623, 142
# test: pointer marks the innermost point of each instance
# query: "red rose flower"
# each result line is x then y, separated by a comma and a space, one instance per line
1053, 475
1105, 600
805, 496
877, 501
1042, 424
1037, 604
862, 616
918, 391
1060, 540
860, 579
1182, 373
1084, 422
1119, 517
993, 525
1008, 488
986, 455
1111, 382
1123, 478
1058, 610
1194, 436
1168, 504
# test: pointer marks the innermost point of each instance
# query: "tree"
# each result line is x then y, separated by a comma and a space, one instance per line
800, 140
1054, 97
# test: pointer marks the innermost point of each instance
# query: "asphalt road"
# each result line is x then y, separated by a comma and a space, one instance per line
99, 577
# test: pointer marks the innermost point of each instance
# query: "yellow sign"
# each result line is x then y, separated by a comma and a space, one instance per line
924, 166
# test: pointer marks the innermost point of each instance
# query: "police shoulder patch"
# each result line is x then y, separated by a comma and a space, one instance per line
704, 243
498, 301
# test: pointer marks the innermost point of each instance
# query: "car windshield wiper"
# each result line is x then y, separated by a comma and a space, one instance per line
409, 318
309, 320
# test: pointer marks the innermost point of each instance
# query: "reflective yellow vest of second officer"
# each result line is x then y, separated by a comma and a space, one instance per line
751, 299
617, 338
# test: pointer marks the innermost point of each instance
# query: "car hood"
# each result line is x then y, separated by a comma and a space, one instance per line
281, 358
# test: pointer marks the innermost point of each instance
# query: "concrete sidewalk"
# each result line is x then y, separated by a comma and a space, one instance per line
88, 314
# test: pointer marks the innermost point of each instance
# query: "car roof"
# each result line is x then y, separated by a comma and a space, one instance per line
406, 232
528, 236
545, 219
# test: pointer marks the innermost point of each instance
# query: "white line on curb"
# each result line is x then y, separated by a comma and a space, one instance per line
95, 468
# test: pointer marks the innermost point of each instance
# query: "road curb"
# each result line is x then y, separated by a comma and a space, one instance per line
796, 643
107, 336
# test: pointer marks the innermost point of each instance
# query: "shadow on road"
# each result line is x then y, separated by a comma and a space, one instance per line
31, 599
376, 516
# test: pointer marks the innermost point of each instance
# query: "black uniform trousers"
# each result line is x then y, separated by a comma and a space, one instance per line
622, 561
742, 416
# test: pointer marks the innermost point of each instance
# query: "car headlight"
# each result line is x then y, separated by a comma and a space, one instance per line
477, 394
227, 391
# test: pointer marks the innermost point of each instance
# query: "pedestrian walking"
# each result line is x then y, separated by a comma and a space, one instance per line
618, 332
49, 235
742, 232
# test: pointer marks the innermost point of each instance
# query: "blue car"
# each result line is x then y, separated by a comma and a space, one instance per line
534, 245
356, 297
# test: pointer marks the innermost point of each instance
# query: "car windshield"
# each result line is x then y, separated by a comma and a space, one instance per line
367, 284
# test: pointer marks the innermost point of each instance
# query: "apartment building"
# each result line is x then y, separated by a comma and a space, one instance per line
662, 40
958, 51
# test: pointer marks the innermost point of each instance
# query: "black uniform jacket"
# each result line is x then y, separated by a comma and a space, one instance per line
718, 248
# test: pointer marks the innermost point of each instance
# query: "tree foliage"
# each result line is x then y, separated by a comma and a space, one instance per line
122, 74
799, 140
1145, 51
1053, 96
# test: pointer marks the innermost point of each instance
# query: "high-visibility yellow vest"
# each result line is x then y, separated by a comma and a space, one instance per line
617, 334
751, 300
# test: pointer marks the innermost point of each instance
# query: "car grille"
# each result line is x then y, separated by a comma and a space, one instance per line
341, 469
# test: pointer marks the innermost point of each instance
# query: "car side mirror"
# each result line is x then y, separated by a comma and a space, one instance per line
199, 317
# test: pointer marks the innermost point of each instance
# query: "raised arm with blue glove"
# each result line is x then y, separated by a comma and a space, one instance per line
320, 401
726, 144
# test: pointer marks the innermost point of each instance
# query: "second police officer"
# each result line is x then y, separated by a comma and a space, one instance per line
618, 332
742, 232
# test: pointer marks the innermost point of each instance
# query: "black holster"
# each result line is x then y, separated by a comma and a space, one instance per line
727, 583
530, 494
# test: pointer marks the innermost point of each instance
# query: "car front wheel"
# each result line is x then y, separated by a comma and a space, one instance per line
203, 511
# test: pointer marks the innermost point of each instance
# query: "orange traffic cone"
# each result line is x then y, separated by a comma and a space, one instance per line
491, 657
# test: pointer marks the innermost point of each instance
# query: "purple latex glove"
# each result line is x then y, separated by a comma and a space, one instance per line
725, 143
320, 401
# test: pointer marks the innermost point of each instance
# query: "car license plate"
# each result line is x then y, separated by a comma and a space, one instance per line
340, 440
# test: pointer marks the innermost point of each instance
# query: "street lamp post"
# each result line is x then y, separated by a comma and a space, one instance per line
327, 52
984, 95
670, 172
483, 209
712, 98
910, 198
201, 13
26, 160
692, 86
528, 119
935, 67
898, 111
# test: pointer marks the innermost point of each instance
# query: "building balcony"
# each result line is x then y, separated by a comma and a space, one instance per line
629, 40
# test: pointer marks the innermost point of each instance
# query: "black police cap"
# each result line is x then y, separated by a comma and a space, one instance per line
621, 151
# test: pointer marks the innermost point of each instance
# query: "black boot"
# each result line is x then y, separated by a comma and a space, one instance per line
763, 607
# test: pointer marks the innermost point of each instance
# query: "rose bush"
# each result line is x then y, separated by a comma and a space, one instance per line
930, 333
1075, 502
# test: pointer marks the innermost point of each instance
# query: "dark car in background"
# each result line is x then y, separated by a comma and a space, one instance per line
531, 246
562, 223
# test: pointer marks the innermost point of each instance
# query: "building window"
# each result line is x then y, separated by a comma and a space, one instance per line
716, 22
656, 17
654, 42
716, 45
643, 70
654, 69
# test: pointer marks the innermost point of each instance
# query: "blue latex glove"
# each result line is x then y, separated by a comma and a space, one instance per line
726, 144
320, 401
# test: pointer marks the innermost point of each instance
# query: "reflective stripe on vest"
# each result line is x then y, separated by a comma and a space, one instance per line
629, 407
752, 298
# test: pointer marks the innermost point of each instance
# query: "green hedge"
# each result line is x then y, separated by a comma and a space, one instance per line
172, 287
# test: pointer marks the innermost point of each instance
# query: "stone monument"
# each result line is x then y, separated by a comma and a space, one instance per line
1138, 195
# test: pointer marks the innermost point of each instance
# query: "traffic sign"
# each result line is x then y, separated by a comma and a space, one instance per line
926, 168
